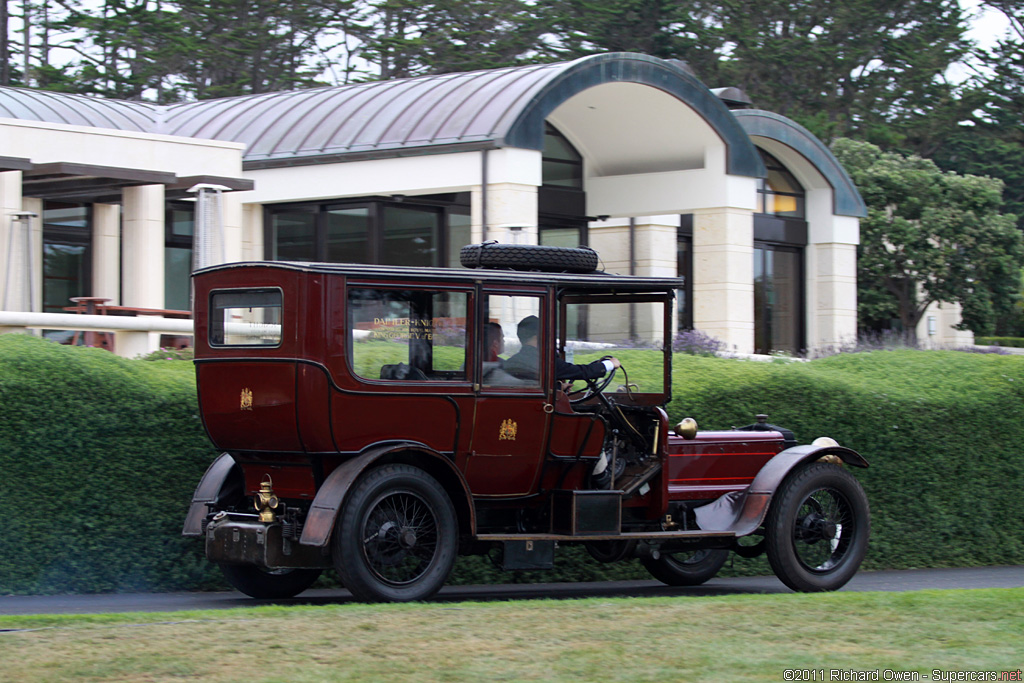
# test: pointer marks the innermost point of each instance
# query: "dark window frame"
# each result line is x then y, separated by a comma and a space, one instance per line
444, 205
75, 236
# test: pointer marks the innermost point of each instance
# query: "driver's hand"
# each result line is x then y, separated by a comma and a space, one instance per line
615, 362
566, 385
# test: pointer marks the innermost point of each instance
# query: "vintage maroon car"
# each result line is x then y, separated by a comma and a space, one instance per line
378, 420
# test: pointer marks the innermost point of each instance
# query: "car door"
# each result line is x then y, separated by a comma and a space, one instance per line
513, 411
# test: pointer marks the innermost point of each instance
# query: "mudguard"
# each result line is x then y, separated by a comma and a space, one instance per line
742, 512
324, 510
207, 491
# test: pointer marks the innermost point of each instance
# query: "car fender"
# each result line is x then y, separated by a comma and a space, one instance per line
331, 496
742, 512
207, 491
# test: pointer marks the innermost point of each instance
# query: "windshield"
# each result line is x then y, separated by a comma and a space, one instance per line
633, 331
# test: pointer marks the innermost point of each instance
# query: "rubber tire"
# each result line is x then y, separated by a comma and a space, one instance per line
351, 562
782, 518
674, 572
259, 583
535, 257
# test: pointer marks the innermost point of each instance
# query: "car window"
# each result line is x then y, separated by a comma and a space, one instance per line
632, 332
515, 362
407, 335
245, 317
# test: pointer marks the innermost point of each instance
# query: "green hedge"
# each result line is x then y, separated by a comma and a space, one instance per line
1015, 342
99, 457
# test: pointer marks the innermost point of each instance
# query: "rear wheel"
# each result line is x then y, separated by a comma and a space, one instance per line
396, 537
686, 568
817, 529
270, 584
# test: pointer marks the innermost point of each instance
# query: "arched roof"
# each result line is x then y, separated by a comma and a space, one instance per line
425, 115
766, 124
77, 110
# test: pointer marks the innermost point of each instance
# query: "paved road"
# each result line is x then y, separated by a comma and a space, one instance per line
908, 580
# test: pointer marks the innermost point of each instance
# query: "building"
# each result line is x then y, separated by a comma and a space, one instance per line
627, 153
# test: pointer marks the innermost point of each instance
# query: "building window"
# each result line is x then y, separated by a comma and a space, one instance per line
778, 299
67, 254
561, 164
780, 235
561, 202
429, 231
179, 229
779, 194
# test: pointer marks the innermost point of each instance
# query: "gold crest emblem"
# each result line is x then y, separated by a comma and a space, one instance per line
246, 399
507, 431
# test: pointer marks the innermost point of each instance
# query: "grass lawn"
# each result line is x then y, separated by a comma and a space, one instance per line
731, 638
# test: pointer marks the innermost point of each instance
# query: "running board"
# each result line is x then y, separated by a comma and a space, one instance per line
626, 536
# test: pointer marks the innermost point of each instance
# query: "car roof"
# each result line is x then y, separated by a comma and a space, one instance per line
598, 280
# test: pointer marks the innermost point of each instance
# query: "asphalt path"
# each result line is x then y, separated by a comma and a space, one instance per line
906, 580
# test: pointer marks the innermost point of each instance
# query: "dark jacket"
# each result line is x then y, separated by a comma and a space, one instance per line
525, 364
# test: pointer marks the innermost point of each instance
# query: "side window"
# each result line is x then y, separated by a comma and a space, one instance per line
408, 335
245, 317
511, 336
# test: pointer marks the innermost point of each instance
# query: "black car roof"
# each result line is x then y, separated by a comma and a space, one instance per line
598, 280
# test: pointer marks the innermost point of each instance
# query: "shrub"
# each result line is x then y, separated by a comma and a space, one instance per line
100, 456
1014, 342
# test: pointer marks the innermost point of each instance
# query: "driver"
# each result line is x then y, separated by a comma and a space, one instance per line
526, 362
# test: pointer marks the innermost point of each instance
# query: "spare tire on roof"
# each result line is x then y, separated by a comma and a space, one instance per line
537, 257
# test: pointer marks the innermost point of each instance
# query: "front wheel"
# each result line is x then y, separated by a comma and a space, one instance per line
817, 529
269, 584
396, 537
686, 568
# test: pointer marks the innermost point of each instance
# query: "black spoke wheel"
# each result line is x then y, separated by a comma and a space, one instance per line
686, 568
817, 528
269, 584
396, 537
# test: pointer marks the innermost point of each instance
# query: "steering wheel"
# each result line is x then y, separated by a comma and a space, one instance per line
594, 387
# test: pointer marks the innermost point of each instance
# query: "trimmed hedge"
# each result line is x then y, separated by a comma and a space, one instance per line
99, 457
1015, 342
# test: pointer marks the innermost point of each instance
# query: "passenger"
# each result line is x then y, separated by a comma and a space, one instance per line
494, 344
526, 362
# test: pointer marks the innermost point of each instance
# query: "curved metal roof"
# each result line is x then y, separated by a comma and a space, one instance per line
846, 199
456, 111
77, 110
426, 115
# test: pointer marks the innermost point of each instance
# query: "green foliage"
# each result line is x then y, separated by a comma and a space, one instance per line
931, 236
941, 430
170, 354
1015, 342
100, 456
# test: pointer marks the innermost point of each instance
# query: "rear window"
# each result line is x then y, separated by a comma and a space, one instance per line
245, 317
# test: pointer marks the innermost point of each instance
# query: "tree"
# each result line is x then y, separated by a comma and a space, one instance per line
842, 67
931, 236
668, 29
405, 38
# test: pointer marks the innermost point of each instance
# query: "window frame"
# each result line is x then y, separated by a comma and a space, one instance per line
212, 308
405, 384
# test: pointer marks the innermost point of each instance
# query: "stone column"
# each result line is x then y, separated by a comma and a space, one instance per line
252, 233
509, 205
35, 205
142, 261
106, 252
10, 203
723, 276
832, 294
